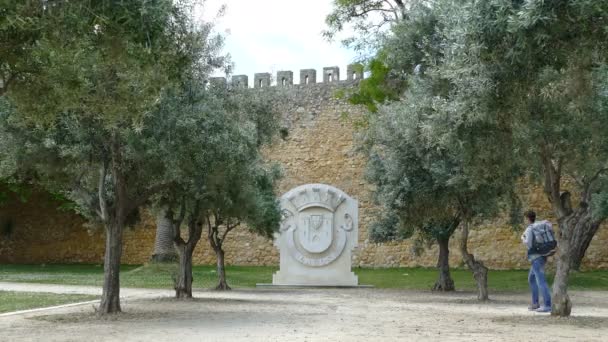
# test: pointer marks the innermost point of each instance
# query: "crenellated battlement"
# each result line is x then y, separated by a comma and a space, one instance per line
284, 78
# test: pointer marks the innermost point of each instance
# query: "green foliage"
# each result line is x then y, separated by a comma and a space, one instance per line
387, 229
380, 87
432, 157
82, 118
491, 87
20, 191
369, 19
412, 45
543, 65
94, 57
599, 204
428, 167
63, 202
214, 150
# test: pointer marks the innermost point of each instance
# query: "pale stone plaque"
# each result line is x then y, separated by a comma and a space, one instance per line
319, 230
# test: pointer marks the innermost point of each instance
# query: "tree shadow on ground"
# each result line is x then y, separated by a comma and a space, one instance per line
545, 319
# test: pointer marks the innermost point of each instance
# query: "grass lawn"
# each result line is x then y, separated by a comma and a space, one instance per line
160, 276
15, 301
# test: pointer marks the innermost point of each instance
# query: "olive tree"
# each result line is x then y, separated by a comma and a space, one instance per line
246, 197
424, 161
545, 64
434, 163
81, 104
218, 179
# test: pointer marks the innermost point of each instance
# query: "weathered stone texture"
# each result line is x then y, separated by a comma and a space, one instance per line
318, 148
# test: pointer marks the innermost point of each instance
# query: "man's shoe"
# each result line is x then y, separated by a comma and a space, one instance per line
543, 309
533, 307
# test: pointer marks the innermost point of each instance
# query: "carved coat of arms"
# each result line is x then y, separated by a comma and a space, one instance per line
315, 232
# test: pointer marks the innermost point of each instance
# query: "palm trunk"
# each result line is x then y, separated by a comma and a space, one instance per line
164, 250
110, 298
480, 272
183, 283
221, 270
445, 281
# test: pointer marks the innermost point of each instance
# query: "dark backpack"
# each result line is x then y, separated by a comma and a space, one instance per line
547, 244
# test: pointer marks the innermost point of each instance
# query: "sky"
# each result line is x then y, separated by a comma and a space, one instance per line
275, 35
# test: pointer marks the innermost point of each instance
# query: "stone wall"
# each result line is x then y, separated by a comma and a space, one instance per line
317, 147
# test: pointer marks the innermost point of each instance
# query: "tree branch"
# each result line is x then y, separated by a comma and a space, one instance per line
400, 4
175, 225
586, 196
198, 231
122, 205
552, 181
598, 174
182, 213
229, 228
212, 229
141, 199
366, 11
101, 192
393, 9
85, 196
5, 83
193, 233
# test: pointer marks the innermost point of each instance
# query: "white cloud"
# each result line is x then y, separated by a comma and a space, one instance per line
272, 35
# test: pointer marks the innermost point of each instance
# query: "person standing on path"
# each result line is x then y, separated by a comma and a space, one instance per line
536, 277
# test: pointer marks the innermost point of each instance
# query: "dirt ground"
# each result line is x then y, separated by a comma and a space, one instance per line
316, 315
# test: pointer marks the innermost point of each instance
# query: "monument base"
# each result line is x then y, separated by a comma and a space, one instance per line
266, 285
337, 273
319, 278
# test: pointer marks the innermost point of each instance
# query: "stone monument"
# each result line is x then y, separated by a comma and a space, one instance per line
319, 229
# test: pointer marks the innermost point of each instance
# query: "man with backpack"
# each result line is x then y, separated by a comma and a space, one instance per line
540, 241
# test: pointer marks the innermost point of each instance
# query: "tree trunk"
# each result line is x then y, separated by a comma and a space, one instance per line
110, 298
561, 304
183, 283
480, 272
580, 242
221, 270
164, 249
445, 282
574, 226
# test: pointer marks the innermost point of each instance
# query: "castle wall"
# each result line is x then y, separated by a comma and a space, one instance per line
318, 146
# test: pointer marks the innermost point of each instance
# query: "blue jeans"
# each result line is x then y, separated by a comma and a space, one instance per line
536, 279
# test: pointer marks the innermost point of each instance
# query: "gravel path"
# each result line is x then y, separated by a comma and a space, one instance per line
311, 315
